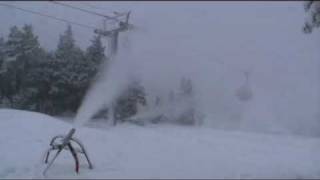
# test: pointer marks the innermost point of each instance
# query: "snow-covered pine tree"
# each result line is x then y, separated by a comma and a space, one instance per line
66, 46
2, 54
13, 51
186, 87
31, 55
95, 52
70, 74
22, 52
95, 56
38, 82
2, 68
127, 104
11, 76
46, 76
313, 10
186, 102
13, 44
31, 50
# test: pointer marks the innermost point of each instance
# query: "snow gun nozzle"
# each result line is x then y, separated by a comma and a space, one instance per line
68, 137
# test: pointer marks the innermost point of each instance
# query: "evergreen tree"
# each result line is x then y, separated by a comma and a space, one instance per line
39, 84
29, 40
95, 52
2, 54
186, 87
186, 102
11, 77
29, 54
66, 46
14, 43
313, 9
73, 74
94, 56
2, 67
127, 104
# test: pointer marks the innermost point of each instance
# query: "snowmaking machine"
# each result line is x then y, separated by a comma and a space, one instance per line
61, 142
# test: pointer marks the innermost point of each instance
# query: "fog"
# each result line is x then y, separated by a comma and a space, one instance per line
213, 43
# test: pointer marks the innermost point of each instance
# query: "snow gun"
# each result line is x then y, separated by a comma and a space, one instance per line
61, 142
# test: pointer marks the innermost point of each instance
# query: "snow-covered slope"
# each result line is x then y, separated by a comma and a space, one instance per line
129, 151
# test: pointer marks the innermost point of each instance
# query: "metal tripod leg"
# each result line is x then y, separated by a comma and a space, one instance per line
47, 155
83, 151
51, 162
54, 138
74, 154
51, 148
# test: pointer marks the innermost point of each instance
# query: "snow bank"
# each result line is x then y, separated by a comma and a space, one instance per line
24, 136
166, 151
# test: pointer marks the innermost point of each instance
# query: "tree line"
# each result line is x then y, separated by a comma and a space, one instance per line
54, 82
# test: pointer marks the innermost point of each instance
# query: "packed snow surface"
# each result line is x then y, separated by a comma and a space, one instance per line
153, 151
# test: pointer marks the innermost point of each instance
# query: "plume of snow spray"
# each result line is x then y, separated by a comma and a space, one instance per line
110, 83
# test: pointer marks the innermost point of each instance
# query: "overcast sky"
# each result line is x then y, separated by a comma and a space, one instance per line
175, 38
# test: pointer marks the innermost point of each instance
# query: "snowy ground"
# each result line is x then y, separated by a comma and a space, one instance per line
163, 151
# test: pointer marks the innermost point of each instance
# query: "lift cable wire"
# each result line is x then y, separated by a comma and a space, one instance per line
91, 6
86, 11
48, 16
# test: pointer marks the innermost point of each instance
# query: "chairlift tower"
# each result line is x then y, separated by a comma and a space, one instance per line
113, 34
